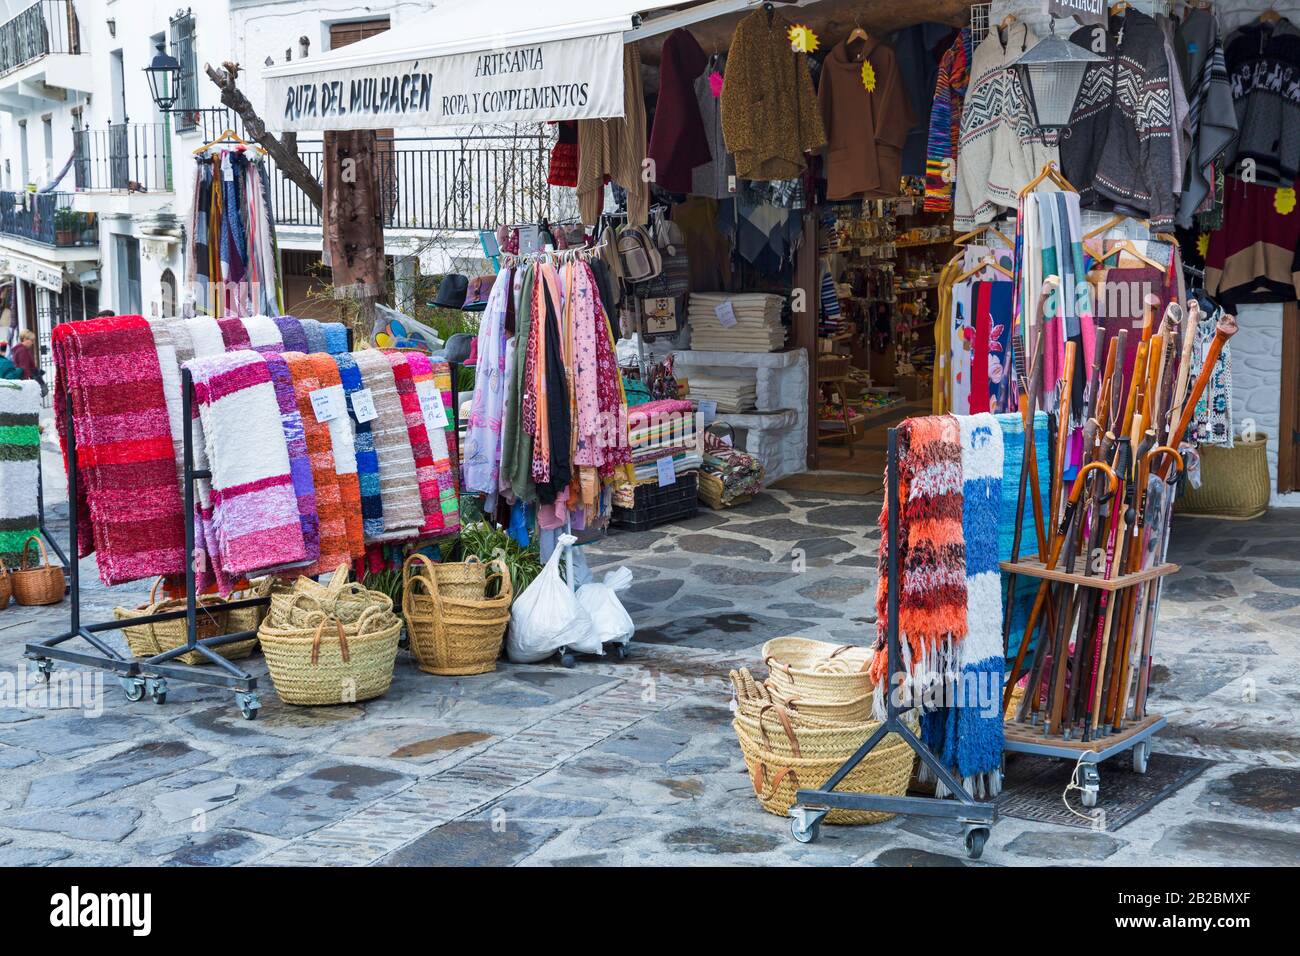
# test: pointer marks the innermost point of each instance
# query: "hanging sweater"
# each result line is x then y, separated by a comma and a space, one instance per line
1263, 62
769, 111
1213, 115
868, 126
1118, 148
992, 130
945, 123
615, 149
678, 142
1255, 256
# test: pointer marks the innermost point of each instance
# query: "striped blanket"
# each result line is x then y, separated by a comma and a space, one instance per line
128, 506
295, 440
372, 508
345, 457
430, 378
320, 449
20, 450
398, 490
426, 474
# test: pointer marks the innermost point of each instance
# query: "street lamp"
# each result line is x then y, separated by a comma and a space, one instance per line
1051, 74
164, 79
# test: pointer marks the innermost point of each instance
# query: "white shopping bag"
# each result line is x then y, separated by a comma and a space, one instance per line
610, 621
547, 616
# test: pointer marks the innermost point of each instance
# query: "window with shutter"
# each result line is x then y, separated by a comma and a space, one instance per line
182, 42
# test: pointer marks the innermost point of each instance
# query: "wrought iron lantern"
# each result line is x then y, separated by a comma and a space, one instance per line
1050, 74
164, 79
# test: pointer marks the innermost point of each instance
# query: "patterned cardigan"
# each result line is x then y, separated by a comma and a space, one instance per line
1264, 69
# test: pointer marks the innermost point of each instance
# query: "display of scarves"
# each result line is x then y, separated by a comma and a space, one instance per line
516, 436
343, 445
128, 506
253, 524
398, 490
551, 420
20, 450
372, 509
334, 549
295, 440
426, 388
1060, 234
992, 371
480, 469
1121, 294
1013, 453
426, 475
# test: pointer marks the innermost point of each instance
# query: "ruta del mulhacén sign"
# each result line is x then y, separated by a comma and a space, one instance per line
1087, 12
555, 80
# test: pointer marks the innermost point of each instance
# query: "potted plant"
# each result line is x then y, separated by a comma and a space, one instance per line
66, 226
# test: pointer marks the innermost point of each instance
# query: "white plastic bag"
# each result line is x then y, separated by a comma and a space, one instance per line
547, 616
609, 619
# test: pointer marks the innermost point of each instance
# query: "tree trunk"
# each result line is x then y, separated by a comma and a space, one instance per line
352, 221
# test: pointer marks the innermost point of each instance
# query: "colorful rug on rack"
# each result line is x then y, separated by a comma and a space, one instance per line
426, 475
20, 451
128, 506
320, 449
372, 508
234, 334
253, 525
169, 366
263, 334
345, 456
398, 490
315, 333
295, 440
1013, 455
426, 375
291, 333
931, 559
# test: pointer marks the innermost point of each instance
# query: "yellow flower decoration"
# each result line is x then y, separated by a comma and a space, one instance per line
1284, 200
803, 40
1203, 244
869, 77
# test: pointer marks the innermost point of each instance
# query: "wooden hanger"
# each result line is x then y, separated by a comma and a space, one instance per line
229, 136
1117, 8
1048, 172
857, 34
988, 228
1125, 245
1270, 16
986, 262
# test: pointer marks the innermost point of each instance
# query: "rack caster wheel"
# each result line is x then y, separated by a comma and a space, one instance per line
806, 824
976, 837
567, 660
1140, 754
249, 704
43, 668
157, 688
620, 651
1091, 782
133, 687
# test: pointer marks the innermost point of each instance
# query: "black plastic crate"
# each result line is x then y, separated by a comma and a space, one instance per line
657, 505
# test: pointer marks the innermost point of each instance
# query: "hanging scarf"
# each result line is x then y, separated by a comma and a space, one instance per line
482, 465
403, 511
320, 448
295, 440
20, 449
1013, 453
516, 438
344, 449
372, 509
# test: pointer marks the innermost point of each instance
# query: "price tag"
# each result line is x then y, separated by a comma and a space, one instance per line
667, 473
726, 314
328, 403
363, 406
432, 408
708, 410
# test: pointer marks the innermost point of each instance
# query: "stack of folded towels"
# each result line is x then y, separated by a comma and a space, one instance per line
732, 394
757, 327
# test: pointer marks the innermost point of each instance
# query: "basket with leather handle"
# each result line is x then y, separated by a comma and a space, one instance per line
344, 599
454, 636
321, 664
818, 672
39, 583
210, 620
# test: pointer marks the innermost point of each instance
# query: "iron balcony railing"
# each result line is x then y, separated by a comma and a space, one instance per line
47, 218
126, 157
47, 26
452, 183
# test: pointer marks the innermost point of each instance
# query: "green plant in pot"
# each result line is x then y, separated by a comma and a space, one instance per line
488, 543
67, 226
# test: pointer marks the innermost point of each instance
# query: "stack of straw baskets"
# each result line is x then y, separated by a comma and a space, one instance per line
333, 643
810, 715
212, 619
454, 627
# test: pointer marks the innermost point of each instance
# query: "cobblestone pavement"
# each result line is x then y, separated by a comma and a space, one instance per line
634, 762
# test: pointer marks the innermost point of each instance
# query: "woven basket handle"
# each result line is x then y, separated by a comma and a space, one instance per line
412, 577
315, 604
315, 640
153, 591
760, 780
507, 585
771, 662
784, 717
368, 618
45, 556
339, 579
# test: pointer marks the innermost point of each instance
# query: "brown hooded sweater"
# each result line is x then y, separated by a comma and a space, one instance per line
769, 110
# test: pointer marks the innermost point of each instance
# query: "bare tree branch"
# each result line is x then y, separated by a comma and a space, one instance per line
283, 151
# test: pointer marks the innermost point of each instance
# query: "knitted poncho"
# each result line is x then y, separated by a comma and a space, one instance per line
1263, 62
1214, 119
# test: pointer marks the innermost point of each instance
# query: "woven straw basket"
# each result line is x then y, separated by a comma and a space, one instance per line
321, 665
211, 620
1235, 481
6, 586
41, 583
249, 618
781, 764
752, 698
459, 580
454, 636
339, 598
818, 673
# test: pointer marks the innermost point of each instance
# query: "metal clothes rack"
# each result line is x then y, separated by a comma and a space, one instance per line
150, 675
811, 806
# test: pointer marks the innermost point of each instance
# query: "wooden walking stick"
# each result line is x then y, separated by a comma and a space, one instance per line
1224, 330
1160, 535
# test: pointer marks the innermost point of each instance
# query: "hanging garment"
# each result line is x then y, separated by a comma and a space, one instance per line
426, 476
563, 169
945, 123
1255, 257
919, 49
1119, 148
714, 179
1120, 297
770, 117
516, 439
253, 523
552, 462
992, 371
1013, 463
398, 490
169, 366
425, 375
1212, 418
1061, 234
20, 449
866, 113
128, 506
1263, 62
614, 149
292, 333
481, 466
678, 141
263, 334
343, 447
300, 464
334, 550
1180, 140
372, 509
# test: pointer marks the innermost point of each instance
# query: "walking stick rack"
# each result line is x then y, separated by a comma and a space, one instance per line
811, 806
148, 675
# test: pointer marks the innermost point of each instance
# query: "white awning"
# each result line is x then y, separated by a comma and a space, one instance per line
463, 63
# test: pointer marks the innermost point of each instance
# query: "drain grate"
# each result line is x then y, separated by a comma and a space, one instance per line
1033, 787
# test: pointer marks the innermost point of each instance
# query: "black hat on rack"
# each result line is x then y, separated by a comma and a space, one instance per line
451, 291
